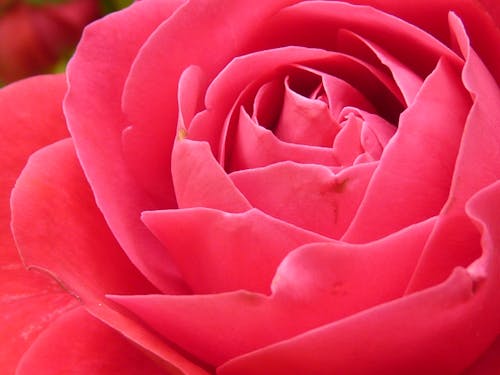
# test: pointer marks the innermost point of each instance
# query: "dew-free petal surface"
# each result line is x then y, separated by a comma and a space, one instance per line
398, 337
477, 165
96, 75
29, 300
79, 344
189, 37
415, 171
200, 181
217, 251
307, 195
31, 118
315, 285
59, 228
488, 363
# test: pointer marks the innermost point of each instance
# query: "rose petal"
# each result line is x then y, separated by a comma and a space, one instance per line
309, 196
431, 16
59, 228
478, 164
408, 81
199, 180
315, 285
341, 94
23, 318
413, 179
398, 337
254, 146
74, 341
488, 363
347, 144
218, 252
31, 118
29, 300
305, 121
234, 78
96, 76
317, 23
189, 37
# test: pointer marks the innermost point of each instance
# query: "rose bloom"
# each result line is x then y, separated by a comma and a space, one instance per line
279, 187
34, 37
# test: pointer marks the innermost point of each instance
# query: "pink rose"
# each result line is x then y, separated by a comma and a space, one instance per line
275, 187
34, 37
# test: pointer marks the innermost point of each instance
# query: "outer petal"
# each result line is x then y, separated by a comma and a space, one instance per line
59, 228
96, 76
431, 15
399, 337
88, 346
478, 165
31, 117
315, 285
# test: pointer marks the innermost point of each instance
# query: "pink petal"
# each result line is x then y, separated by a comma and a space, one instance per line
189, 37
24, 314
408, 81
413, 179
316, 284
199, 180
432, 16
31, 118
347, 144
309, 196
59, 229
268, 102
305, 121
218, 252
77, 343
92, 106
29, 300
254, 146
441, 330
224, 90
322, 20
341, 94
477, 166
248, 145
189, 97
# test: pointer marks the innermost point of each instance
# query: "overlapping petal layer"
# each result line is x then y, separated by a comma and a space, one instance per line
315, 285
29, 300
74, 244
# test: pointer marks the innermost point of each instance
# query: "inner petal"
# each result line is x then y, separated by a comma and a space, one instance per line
304, 120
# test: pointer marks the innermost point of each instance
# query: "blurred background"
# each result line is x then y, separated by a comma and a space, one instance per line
39, 36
